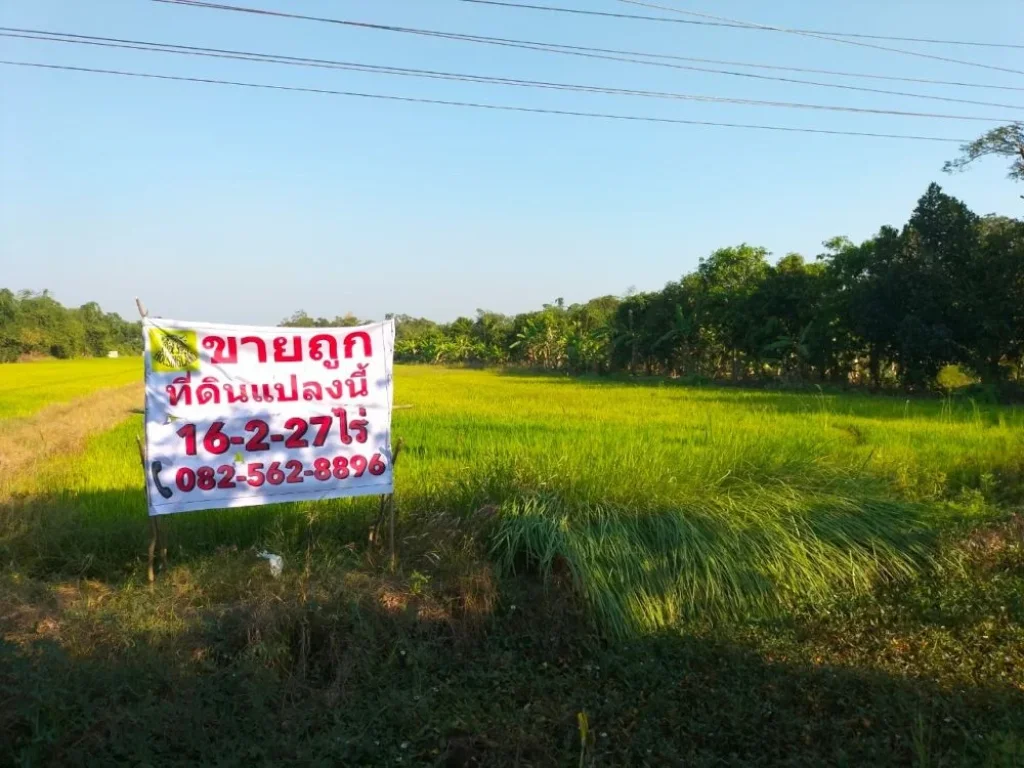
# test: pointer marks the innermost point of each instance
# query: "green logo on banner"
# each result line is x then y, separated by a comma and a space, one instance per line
173, 350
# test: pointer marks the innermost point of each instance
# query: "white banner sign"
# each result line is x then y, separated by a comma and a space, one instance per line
240, 415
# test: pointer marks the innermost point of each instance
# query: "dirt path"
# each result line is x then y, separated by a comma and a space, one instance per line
61, 428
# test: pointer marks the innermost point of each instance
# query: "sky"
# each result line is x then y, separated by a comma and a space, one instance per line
239, 205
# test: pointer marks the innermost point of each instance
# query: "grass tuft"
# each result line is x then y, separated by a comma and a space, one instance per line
736, 556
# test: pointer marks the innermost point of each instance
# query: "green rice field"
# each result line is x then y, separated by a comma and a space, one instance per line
25, 388
838, 578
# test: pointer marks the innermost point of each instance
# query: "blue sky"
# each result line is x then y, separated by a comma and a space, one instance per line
236, 205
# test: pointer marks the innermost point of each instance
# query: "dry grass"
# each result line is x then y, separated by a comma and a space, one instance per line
990, 544
61, 429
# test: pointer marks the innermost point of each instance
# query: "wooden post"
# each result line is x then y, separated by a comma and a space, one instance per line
391, 505
393, 559
387, 510
155, 540
154, 527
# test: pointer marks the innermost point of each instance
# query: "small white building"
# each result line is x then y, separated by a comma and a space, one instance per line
112, 353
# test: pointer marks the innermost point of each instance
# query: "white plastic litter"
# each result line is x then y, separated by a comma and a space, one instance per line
276, 562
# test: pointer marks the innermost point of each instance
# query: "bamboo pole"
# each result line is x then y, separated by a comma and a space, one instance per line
387, 511
391, 507
154, 521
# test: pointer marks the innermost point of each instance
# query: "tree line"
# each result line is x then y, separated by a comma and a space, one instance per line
891, 312
36, 325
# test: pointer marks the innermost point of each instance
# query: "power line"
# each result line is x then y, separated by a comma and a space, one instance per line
592, 52
664, 20
581, 49
572, 50
769, 27
434, 74
476, 105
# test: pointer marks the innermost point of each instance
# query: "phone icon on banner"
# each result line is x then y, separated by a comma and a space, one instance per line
155, 469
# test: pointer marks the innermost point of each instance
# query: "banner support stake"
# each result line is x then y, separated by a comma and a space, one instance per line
387, 513
156, 539
154, 524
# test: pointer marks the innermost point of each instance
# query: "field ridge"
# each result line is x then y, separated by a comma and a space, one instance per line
60, 429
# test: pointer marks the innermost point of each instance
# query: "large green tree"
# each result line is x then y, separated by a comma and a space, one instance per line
729, 279
991, 288
783, 311
1006, 141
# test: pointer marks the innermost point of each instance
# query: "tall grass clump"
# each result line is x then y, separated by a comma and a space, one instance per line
734, 556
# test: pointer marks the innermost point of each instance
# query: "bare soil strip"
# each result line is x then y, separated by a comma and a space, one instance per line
61, 428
